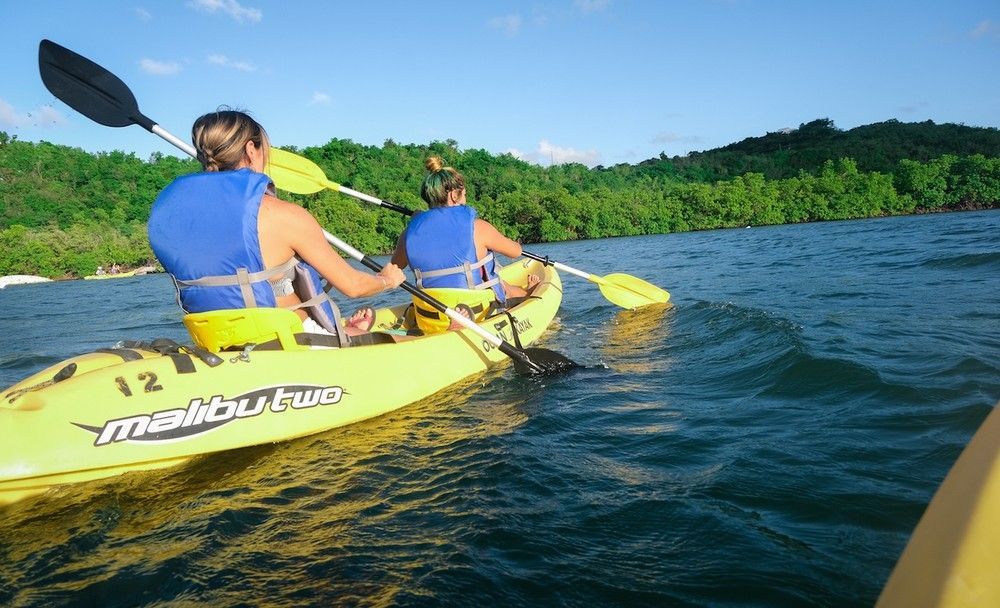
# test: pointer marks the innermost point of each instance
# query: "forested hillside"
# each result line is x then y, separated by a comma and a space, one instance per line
875, 147
64, 211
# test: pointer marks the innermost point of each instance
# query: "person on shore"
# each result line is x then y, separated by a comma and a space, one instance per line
228, 242
451, 251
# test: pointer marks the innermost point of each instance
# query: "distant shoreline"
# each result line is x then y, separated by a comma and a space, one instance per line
125, 273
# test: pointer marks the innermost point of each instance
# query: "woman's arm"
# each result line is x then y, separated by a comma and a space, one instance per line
488, 236
290, 229
399, 255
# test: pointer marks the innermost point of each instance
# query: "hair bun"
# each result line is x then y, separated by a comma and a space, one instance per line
434, 164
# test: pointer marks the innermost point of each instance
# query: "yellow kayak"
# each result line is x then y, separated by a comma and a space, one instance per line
135, 407
951, 559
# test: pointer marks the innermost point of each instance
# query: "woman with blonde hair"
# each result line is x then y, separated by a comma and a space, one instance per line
451, 250
228, 242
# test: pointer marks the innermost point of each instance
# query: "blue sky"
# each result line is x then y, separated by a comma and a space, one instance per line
591, 81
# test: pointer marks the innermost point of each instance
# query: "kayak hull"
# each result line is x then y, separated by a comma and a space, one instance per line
97, 415
951, 558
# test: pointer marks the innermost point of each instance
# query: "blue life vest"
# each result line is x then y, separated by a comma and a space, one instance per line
203, 229
441, 250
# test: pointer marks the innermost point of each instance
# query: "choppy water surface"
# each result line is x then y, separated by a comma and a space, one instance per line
771, 439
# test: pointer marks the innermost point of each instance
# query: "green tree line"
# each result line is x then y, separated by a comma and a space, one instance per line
875, 147
64, 211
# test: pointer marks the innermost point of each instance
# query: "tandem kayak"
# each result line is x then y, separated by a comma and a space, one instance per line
137, 407
951, 559
117, 275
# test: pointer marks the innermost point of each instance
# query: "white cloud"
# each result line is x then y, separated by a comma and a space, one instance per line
319, 99
226, 62
984, 29
143, 14
539, 19
549, 154
43, 117
229, 7
159, 68
50, 117
559, 156
510, 25
591, 6
9, 118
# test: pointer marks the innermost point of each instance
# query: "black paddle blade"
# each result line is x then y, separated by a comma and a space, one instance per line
88, 88
543, 362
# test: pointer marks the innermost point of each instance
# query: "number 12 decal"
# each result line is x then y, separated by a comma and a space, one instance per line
149, 386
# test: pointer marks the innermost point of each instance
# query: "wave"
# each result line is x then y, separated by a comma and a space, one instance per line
23, 361
802, 375
757, 357
989, 259
733, 347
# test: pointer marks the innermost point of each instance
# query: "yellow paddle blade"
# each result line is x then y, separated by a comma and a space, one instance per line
630, 292
298, 174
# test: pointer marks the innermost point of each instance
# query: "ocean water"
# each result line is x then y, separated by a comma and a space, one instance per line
769, 439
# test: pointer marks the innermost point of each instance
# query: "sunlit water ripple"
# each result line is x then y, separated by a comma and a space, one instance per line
769, 439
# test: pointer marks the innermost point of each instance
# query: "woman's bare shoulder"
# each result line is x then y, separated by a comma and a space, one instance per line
277, 210
485, 228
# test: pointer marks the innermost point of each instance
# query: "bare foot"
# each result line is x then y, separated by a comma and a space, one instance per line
516, 291
361, 321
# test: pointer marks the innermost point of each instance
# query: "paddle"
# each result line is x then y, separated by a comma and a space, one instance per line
526, 360
101, 96
298, 174
94, 92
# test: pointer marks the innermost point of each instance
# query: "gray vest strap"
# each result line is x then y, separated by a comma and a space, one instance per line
466, 268
313, 300
291, 279
245, 280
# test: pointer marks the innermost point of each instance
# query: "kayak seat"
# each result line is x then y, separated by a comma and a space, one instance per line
218, 330
479, 303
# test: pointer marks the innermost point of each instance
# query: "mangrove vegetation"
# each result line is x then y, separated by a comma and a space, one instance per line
64, 211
